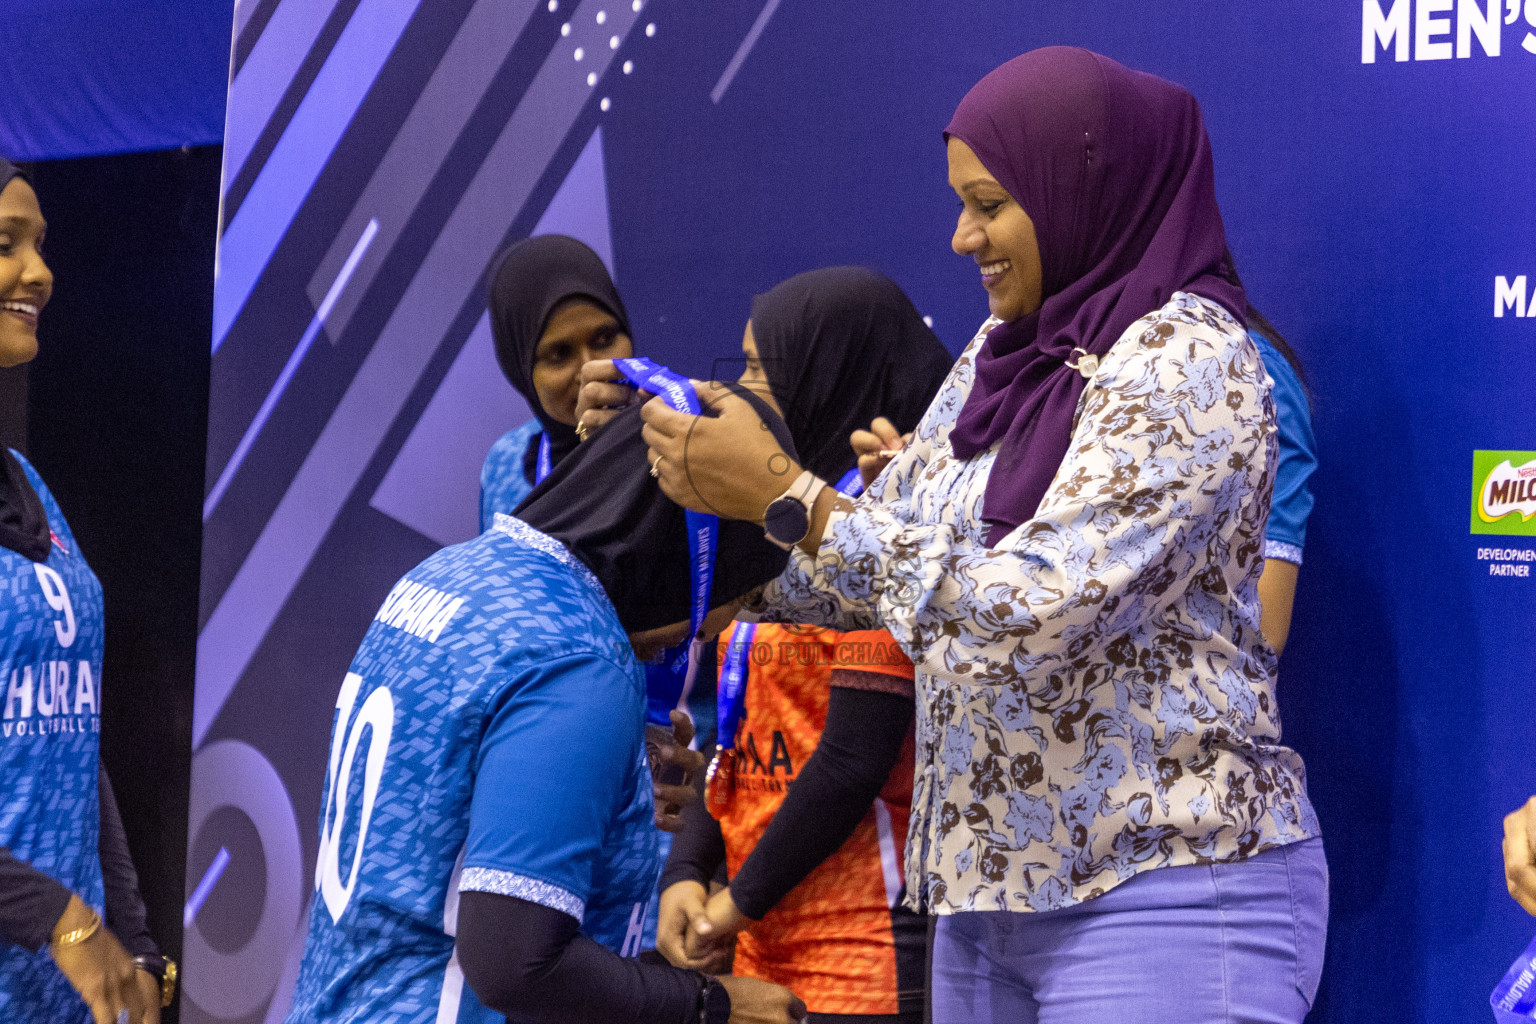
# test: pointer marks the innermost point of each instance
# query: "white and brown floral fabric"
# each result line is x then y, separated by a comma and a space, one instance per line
1095, 697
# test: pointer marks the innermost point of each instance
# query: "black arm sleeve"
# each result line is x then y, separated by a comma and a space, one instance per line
126, 916
31, 903
858, 748
530, 963
698, 851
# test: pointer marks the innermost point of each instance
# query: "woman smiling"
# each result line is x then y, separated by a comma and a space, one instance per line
1104, 818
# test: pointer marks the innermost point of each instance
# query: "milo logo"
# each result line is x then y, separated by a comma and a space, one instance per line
1504, 493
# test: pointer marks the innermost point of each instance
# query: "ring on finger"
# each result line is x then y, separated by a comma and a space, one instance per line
656, 467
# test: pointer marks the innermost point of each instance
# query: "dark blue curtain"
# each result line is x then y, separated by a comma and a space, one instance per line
125, 76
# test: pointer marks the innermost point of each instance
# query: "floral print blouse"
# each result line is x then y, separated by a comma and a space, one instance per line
1095, 697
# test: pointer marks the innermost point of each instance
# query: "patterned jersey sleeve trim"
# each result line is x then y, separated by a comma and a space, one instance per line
1280, 550
528, 536
507, 883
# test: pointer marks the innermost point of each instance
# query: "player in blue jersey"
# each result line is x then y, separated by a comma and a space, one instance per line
553, 308
57, 962
486, 838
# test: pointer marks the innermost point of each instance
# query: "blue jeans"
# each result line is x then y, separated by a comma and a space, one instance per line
1220, 944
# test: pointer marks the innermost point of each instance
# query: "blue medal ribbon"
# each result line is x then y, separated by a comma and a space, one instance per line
852, 483
733, 685
669, 683
544, 465
1514, 998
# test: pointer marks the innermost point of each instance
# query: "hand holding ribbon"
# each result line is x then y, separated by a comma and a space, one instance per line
728, 463
669, 683
605, 391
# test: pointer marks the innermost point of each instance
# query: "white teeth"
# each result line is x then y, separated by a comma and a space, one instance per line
20, 307
990, 269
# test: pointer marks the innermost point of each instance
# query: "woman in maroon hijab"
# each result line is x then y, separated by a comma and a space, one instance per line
1104, 819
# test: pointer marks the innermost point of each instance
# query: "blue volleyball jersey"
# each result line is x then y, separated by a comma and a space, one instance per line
488, 738
503, 484
50, 721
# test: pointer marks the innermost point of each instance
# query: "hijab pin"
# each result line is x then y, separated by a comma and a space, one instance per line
1087, 363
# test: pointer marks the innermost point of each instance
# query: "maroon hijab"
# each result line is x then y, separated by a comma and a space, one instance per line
1114, 168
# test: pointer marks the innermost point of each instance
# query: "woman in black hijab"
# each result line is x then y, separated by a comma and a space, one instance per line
538, 827
837, 348
63, 853
553, 308
834, 349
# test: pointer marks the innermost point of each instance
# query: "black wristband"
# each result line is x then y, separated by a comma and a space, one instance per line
714, 1002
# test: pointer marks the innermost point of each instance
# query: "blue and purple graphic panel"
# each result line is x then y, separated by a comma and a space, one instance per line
1374, 166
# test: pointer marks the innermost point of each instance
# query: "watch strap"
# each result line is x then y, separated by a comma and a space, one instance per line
714, 1001
163, 970
812, 492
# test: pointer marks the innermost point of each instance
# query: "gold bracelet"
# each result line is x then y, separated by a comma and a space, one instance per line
79, 935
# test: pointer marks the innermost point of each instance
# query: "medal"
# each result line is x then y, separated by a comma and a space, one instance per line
720, 782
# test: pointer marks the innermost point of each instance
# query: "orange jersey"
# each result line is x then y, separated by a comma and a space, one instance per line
838, 939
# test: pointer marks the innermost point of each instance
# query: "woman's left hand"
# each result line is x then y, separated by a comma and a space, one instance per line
729, 463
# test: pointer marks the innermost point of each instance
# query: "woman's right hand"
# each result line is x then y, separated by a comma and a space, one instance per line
601, 397
754, 1001
682, 903
876, 447
100, 969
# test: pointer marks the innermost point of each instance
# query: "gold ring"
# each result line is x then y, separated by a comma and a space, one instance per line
655, 467
581, 431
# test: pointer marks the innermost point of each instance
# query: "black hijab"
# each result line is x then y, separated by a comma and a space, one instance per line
23, 523
841, 346
531, 279
603, 505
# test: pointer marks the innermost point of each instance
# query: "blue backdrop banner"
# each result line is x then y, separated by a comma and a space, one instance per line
88, 77
1374, 164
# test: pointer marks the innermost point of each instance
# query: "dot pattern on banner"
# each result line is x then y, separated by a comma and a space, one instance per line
618, 22
605, 104
650, 30
554, 5
928, 320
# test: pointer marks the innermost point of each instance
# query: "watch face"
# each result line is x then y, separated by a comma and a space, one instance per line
786, 521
